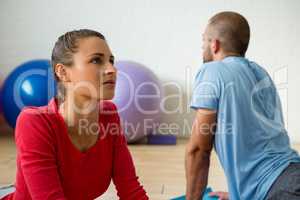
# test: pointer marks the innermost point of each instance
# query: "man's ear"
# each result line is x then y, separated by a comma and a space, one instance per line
61, 72
215, 46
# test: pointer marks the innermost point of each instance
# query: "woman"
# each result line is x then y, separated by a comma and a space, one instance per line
74, 146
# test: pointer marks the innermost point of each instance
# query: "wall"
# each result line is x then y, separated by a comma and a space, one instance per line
164, 35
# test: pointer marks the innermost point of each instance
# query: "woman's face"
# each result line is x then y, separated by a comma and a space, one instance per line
93, 74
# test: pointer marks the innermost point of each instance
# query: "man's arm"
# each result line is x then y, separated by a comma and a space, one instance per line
198, 152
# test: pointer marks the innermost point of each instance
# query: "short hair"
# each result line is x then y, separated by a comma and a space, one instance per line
233, 31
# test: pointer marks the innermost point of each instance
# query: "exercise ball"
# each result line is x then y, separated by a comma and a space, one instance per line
1, 108
138, 95
30, 84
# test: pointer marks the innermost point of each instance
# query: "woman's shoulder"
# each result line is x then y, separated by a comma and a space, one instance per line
34, 113
33, 129
34, 119
109, 109
110, 117
107, 105
39, 111
35, 110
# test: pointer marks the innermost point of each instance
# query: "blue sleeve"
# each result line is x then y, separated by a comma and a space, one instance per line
207, 89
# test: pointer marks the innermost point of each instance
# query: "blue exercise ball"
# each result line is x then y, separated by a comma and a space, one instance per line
1, 108
30, 84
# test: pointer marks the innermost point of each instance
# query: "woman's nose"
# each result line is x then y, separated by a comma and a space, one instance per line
110, 69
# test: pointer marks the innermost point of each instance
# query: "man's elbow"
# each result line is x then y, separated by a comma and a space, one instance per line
202, 153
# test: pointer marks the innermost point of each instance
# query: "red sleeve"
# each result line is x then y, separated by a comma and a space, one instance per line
36, 151
124, 176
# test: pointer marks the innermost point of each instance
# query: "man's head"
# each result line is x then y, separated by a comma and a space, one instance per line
227, 33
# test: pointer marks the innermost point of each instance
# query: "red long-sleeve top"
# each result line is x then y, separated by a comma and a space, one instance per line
50, 167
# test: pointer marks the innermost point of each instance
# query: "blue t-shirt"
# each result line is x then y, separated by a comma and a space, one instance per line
251, 141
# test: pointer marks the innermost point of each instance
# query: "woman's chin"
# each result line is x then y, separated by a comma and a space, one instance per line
107, 96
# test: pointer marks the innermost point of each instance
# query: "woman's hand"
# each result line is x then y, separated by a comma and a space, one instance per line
220, 195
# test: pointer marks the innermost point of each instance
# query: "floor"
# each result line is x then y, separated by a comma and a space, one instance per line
160, 168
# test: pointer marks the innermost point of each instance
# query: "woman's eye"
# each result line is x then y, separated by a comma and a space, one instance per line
112, 61
96, 61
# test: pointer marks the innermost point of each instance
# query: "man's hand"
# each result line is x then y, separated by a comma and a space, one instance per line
220, 195
198, 153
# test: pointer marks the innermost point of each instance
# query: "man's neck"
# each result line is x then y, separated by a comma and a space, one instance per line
220, 56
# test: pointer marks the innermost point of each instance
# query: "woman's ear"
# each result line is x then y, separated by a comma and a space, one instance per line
61, 72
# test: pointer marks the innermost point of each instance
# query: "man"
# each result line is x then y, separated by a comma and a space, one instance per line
238, 112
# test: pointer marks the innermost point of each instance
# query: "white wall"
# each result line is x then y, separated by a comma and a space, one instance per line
164, 35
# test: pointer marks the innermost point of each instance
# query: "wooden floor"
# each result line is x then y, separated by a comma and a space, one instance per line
160, 168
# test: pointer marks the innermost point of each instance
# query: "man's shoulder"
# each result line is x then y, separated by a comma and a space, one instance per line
212, 65
210, 71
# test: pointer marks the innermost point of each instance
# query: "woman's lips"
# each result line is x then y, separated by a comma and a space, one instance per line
110, 82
